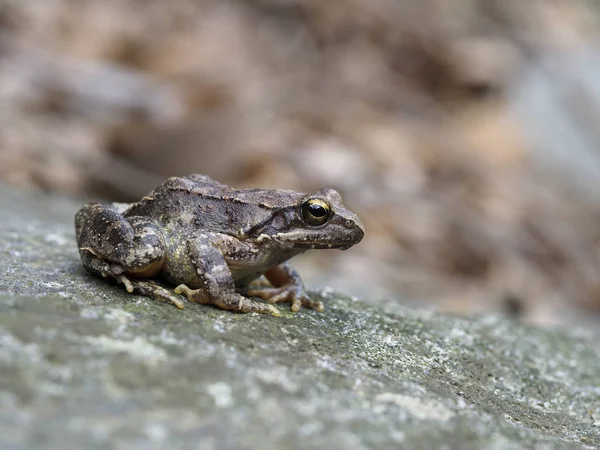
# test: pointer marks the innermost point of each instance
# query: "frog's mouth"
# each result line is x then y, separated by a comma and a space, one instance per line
309, 246
299, 242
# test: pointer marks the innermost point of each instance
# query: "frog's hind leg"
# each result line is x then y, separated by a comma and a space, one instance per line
146, 288
116, 247
135, 243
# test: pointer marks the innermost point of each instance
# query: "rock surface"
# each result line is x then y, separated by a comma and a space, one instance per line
84, 365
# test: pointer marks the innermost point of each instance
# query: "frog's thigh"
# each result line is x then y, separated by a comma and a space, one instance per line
217, 281
147, 254
135, 242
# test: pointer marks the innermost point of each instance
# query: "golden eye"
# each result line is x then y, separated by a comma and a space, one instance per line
315, 211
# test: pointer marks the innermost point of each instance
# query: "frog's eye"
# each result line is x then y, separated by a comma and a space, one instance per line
315, 211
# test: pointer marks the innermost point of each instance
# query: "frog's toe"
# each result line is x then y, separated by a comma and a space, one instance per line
193, 295
183, 289
247, 305
125, 282
151, 289
167, 296
308, 303
270, 294
292, 294
238, 303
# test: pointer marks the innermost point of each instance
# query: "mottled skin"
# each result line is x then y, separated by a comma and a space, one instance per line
215, 242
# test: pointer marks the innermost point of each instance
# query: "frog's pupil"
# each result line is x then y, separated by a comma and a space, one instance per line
317, 210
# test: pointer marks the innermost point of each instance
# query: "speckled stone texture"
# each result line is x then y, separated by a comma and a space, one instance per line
84, 365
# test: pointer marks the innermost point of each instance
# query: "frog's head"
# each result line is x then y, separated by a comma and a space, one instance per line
317, 220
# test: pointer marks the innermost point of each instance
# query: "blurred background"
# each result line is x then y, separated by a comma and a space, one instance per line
465, 134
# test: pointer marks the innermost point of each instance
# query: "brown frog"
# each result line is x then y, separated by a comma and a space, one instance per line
215, 242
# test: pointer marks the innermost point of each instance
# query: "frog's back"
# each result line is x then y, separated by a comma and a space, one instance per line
197, 202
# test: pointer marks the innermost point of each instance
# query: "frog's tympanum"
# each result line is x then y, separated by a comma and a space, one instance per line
220, 245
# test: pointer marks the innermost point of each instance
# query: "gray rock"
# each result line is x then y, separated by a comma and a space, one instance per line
85, 365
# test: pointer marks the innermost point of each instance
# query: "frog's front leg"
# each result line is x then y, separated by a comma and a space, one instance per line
288, 287
218, 287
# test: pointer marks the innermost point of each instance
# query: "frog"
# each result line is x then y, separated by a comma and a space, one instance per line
218, 245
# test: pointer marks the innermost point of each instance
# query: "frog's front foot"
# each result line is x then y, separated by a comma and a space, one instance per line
193, 295
230, 301
291, 293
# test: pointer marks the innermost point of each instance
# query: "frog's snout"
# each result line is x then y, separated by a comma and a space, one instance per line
355, 231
